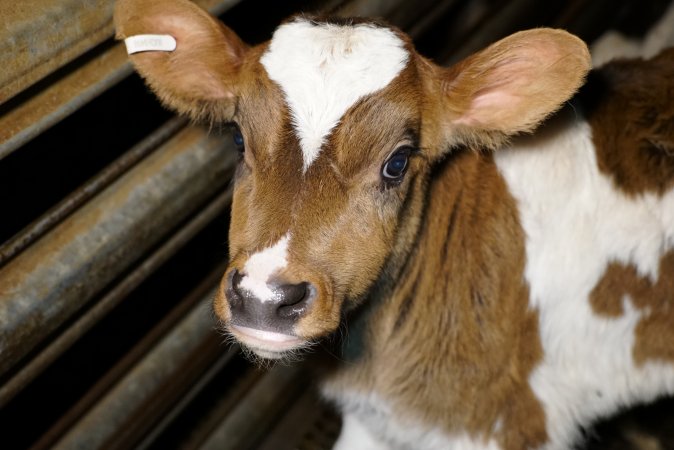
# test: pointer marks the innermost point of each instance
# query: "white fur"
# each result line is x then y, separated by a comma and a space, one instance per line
615, 45
324, 69
576, 223
370, 424
263, 265
356, 436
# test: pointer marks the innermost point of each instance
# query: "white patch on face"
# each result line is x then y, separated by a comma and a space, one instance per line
263, 265
324, 69
576, 223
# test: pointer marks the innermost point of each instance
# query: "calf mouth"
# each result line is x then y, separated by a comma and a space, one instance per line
267, 344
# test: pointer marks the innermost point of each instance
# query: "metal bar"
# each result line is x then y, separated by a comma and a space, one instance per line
65, 95
426, 21
134, 357
163, 397
499, 20
237, 389
72, 90
167, 418
413, 17
41, 36
303, 417
46, 284
92, 187
75, 330
148, 379
255, 414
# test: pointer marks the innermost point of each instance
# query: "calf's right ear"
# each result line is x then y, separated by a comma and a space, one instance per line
199, 77
511, 86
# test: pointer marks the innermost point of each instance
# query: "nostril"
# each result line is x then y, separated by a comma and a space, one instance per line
293, 299
236, 280
285, 301
292, 294
234, 296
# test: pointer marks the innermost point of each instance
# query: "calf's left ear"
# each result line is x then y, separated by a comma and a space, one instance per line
196, 72
510, 86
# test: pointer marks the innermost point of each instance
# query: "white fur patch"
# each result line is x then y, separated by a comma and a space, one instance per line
613, 44
355, 435
370, 424
324, 69
263, 265
576, 223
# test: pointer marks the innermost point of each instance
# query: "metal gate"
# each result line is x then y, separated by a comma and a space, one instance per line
113, 219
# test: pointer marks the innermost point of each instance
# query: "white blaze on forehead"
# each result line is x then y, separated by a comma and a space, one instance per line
263, 265
323, 69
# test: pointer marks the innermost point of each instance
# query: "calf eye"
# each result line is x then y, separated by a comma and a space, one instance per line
395, 167
237, 138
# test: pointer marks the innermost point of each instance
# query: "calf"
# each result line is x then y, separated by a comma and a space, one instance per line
483, 299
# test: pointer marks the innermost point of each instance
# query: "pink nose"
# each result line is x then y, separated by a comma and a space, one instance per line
278, 313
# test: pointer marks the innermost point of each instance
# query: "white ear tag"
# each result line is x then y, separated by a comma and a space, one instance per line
150, 43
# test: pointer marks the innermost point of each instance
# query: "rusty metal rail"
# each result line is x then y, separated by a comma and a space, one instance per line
47, 283
94, 186
146, 382
77, 26
103, 306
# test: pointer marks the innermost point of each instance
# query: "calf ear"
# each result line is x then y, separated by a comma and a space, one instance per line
512, 85
198, 77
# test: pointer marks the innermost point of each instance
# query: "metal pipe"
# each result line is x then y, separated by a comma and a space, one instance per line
84, 323
131, 359
77, 198
49, 105
246, 425
107, 420
26, 119
194, 391
497, 21
40, 36
50, 281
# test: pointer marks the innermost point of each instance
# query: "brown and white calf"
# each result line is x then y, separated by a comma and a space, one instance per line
481, 299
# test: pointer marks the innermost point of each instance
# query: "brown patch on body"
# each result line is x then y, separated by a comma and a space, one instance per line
464, 299
630, 107
654, 333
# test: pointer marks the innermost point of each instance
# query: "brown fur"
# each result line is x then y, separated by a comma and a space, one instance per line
466, 309
437, 260
531, 72
200, 77
633, 122
653, 298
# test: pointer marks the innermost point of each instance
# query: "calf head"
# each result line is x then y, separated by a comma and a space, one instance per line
339, 124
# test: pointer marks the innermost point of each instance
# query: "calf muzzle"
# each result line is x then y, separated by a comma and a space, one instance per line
278, 313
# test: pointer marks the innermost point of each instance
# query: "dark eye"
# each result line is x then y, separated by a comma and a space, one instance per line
237, 138
395, 167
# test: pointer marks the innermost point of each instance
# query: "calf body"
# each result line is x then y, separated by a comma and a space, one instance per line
478, 299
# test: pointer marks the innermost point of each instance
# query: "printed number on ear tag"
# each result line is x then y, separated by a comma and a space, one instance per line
150, 43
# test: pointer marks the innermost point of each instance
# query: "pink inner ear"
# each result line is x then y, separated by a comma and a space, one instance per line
206, 84
517, 82
489, 108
